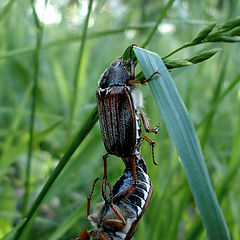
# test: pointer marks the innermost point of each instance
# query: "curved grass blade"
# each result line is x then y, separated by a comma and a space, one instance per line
182, 132
82, 133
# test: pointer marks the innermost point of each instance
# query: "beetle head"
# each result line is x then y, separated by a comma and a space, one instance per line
115, 75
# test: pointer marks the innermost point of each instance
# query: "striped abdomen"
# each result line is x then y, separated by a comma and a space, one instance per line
131, 208
134, 205
117, 120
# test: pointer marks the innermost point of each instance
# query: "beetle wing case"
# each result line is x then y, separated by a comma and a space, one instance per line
117, 120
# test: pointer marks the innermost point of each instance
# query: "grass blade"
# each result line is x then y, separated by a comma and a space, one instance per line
182, 132
14, 230
39, 29
70, 220
38, 136
208, 124
231, 86
79, 62
160, 18
83, 132
6, 9
78, 38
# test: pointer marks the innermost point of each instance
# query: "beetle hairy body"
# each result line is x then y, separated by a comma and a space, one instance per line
119, 107
117, 121
107, 224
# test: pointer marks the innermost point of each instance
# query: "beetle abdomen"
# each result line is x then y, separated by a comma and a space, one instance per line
117, 120
136, 202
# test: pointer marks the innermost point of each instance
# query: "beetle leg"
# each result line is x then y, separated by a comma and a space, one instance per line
133, 165
123, 194
114, 223
147, 125
84, 235
132, 67
103, 236
90, 196
132, 71
152, 143
129, 189
104, 182
143, 163
144, 80
119, 215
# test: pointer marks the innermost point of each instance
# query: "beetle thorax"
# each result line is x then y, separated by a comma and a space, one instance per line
115, 75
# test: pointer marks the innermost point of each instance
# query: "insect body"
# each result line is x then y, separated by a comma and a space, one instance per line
119, 105
120, 109
117, 218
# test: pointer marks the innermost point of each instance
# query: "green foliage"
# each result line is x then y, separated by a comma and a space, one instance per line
182, 133
62, 170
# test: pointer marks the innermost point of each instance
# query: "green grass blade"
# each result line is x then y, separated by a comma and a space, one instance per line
6, 9
231, 86
78, 38
39, 29
14, 230
160, 18
82, 133
208, 124
225, 184
18, 116
70, 220
222, 193
38, 136
79, 62
72, 39
182, 132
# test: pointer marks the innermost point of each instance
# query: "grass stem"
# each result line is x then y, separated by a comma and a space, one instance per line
80, 136
33, 109
160, 18
76, 76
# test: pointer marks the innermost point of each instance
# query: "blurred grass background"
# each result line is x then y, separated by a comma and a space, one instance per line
113, 25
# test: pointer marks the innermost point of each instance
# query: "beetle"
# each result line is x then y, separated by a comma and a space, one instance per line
117, 217
120, 109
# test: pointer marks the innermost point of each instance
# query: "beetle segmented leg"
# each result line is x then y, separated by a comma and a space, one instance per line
90, 196
134, 173
123, 194
147, 125
128, 190
143, 81
150, 78
103, 236
132, 67
142, 163
104, 182
119, 215
152, 143
84, 235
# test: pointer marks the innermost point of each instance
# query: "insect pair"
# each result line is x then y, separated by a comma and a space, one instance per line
117, 217
120, 110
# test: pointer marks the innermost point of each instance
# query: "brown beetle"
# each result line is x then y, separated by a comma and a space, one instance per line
120, 109
117, 217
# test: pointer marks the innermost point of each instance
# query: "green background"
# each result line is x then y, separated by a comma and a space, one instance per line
113, 26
